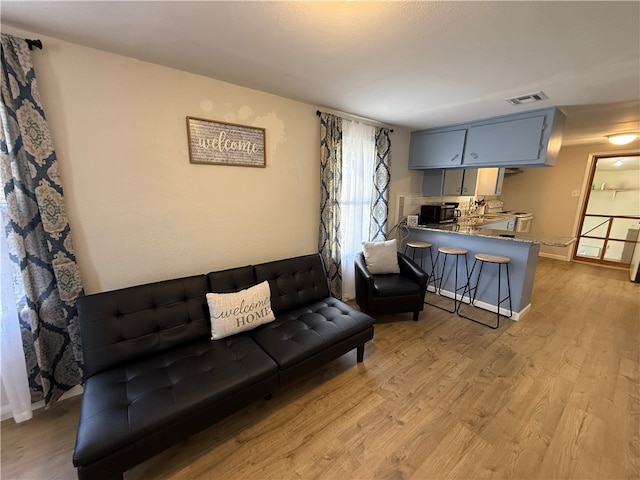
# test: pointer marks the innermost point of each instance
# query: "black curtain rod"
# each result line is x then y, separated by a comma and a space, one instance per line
34, 43
318, 113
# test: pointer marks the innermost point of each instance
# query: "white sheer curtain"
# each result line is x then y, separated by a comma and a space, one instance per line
358, 164
16, 399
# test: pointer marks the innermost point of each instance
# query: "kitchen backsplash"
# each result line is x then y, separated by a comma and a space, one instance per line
409, 204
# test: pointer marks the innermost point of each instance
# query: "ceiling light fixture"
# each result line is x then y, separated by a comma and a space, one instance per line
617, 163
622, 138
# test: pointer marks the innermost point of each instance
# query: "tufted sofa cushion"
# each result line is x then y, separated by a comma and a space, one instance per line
124, 325
232, 280
130, 404
295, 282
303, 332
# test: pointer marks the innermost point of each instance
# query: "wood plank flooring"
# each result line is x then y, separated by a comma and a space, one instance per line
554, 396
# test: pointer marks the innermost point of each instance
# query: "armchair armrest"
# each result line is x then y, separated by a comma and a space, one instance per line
361, 269
363, 280
410, 269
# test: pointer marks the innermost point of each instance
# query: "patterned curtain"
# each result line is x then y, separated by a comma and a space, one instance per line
330, 187
381, 181
46, 277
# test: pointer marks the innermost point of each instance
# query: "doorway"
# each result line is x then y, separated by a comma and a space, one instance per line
610, 220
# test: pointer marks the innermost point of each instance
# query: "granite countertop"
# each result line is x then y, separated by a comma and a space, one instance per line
465, 227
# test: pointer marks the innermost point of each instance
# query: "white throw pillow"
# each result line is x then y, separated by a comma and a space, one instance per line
381, 257
236, 312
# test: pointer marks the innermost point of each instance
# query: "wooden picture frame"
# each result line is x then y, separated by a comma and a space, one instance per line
221, 143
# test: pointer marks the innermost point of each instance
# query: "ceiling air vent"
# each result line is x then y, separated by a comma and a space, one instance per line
528, 98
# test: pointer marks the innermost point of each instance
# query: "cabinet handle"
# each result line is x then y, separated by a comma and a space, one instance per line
456, 156
474, 155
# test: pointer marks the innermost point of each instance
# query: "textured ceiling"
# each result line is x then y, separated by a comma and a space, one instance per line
412, 64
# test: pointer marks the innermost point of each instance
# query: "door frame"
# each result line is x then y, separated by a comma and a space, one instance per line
584, 199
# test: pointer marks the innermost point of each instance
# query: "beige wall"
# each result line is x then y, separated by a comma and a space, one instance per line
139, 211
547, 192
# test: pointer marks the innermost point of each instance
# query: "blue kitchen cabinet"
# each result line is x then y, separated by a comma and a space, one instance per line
526, 139
449, 182
436, 149
467, 182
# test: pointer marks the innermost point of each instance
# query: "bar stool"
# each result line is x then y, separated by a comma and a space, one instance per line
422, 247
456, 253
496, 260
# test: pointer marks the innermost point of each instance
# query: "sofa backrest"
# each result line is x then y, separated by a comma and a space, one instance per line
232, 280
123, 325
294, 282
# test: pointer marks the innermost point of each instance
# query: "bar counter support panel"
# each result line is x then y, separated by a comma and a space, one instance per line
524, 260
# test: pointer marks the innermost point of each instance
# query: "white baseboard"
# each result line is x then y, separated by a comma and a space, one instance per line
486, 306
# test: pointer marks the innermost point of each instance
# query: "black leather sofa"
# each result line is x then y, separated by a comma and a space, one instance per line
153, 376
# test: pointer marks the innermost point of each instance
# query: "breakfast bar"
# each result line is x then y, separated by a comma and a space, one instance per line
521, 248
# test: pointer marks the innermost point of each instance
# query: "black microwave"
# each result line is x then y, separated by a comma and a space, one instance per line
442, 213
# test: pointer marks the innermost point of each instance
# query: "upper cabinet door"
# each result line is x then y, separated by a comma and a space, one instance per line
490, 181
452, 182
510, 142
436, 150
470, 181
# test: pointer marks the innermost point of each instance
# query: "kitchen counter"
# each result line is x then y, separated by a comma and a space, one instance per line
521, 248
465, 227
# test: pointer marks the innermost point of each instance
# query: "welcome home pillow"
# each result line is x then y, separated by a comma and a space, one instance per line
381, 257
236, 312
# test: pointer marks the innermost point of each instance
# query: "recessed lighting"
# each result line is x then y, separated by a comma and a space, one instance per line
617, 163
622, 138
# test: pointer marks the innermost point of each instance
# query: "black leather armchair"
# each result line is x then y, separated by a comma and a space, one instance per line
391, 293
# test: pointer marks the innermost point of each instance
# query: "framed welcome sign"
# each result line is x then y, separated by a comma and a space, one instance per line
219, 143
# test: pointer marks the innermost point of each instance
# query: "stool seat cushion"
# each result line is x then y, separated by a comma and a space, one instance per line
487, 257
418, 244
452, 250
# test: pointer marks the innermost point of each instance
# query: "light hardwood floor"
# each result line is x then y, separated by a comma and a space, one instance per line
554, 396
